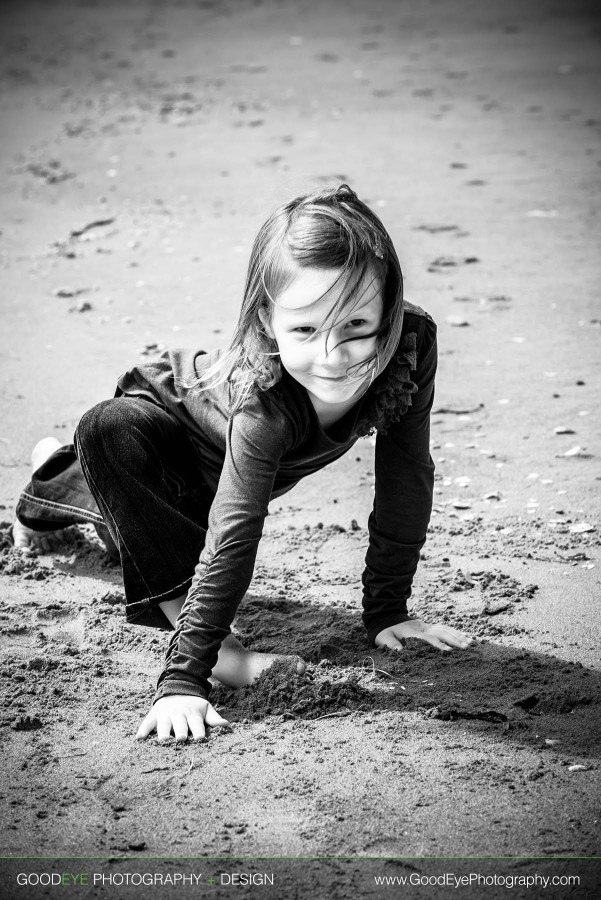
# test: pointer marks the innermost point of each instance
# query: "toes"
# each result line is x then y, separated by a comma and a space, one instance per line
23, 538
26, 549
50, 541
45, 543
21, 541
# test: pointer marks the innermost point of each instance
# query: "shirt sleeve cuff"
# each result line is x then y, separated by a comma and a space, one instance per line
173, 686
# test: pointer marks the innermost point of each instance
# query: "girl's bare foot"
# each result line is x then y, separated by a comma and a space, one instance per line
36, 542
236, 666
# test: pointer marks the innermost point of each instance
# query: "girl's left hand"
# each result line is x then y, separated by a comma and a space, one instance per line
441, 636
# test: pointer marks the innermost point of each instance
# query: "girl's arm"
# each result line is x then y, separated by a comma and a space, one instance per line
256, 440
402, 506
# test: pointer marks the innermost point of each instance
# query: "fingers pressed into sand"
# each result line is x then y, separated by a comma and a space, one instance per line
455, 643
179, 723
455, 638
389, 640
459, 634
214, 720
163, 726
462, 642
147, 726
197, 726
436, 642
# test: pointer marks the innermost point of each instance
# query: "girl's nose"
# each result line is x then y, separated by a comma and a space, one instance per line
332, 352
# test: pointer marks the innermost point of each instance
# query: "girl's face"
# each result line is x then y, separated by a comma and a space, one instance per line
310, 339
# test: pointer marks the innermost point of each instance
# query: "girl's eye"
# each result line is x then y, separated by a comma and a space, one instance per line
305, 329
357, 323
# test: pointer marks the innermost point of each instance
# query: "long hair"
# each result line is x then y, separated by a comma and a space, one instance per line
328, 229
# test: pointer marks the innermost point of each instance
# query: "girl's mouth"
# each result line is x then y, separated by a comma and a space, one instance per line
332, 377
333, 380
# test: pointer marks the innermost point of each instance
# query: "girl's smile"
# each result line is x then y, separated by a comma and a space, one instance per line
327, 342
333, 377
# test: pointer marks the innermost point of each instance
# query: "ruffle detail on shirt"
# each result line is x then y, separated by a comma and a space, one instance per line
392, 397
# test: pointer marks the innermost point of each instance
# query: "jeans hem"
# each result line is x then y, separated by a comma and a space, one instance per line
75, 511
148, 611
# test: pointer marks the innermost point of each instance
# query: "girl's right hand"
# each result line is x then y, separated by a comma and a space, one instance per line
179, 713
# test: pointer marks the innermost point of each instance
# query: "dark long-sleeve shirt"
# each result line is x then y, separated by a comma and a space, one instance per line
262, 451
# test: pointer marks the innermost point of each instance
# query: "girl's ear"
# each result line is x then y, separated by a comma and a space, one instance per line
264, 317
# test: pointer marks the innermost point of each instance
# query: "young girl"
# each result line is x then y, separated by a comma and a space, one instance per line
177, 470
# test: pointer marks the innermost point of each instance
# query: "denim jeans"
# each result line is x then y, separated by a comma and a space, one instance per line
133, 467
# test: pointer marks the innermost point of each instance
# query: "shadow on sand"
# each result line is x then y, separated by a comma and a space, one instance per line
528, 697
